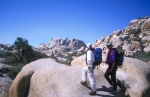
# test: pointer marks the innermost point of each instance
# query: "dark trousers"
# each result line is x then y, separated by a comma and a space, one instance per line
111, 81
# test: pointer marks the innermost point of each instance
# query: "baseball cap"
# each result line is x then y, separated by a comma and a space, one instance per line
109, 44
89, 45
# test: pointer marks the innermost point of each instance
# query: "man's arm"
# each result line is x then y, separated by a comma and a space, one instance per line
113, 64
113, 56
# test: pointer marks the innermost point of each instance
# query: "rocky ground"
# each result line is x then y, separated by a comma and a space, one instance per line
5, 81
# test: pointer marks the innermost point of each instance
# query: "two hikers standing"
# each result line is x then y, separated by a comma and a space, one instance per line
89, 68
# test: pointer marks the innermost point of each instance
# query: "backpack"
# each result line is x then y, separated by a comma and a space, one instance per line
98, 56
120, 57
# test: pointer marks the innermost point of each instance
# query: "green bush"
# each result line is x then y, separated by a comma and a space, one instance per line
6, 94
80, 54
10, 60
68, 58
2, 55
53, 57
148, 54
13, 71
133, 31
67, 62
20, 52
129, 41
143, 56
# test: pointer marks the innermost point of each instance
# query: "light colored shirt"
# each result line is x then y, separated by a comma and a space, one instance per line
90, 58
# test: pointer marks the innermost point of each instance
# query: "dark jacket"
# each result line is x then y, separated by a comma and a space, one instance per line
111, 57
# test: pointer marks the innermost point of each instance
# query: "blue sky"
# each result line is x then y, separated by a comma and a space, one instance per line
88, 20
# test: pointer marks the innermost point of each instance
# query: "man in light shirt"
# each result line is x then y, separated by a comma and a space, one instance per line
89, 69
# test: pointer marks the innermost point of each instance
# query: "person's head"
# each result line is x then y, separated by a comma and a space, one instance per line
109, 45
89, 46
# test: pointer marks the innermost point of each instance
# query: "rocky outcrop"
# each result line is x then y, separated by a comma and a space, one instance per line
147, 49
46, 78
134, 73
146, 25
133, 39
3, 46
5, 81
76, 44
58, 41
59, 46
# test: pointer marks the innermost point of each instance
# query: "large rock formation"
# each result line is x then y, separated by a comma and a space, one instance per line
59, 46
133, 39
46, 78
134, 73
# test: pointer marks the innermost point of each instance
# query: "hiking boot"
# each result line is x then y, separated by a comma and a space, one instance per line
92, 93
83, 82
114, 92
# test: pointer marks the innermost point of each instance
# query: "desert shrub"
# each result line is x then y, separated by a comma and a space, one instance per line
53, 57
20, 53
148, 54
143, 56
69, 57
38, 55
9, 60
67, 62
14, 70
82, 53
129, 41
121, 38
133, 31
6, 94
2, 54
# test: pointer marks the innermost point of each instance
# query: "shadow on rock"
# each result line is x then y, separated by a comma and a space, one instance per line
105, 89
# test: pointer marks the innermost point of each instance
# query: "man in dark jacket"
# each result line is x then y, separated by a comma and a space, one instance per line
112, 68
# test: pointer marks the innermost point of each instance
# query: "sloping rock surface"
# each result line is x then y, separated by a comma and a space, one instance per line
134, 73
46, 78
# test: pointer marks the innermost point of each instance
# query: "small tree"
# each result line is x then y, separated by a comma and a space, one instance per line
19, 54
21, 51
